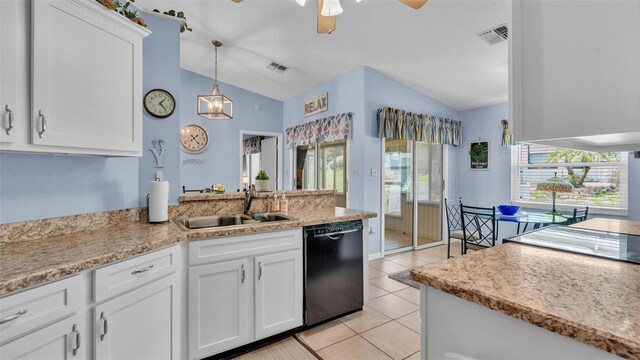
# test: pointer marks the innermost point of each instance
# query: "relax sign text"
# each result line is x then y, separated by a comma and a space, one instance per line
316, 105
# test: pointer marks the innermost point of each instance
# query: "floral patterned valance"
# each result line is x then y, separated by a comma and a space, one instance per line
402, 125
332, 128
252, 145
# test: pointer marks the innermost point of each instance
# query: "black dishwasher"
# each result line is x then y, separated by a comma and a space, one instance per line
333, 261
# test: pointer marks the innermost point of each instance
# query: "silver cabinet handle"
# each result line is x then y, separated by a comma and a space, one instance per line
142, 270
242, 281
13, 317
43, 124
75, 330
10, 112
259, 270
105, 326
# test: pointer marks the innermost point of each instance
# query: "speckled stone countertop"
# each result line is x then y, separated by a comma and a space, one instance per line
611, 225
595, 301
28, 263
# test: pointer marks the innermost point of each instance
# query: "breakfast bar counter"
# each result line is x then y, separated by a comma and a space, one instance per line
594, 301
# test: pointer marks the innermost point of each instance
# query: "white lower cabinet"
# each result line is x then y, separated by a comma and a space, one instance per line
244, 295
218, 307
61, 340
141, 324
278, 293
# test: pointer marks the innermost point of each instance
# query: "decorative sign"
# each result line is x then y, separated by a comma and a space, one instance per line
479, 155
157, 148
316, 105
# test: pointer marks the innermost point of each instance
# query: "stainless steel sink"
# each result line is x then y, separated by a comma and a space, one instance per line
213, 221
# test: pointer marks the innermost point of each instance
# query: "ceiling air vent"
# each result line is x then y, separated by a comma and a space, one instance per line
495, 35
277, 67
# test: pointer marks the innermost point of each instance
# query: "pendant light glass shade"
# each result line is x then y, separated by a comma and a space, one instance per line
331, 8
301, 2
215, 106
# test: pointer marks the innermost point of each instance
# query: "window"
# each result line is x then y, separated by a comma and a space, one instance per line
599, 179
305, 176
332, 166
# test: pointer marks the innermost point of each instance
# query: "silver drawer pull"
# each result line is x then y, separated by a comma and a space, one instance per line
75, 330
8, 109
105, 326
142, 270
13, 317
43, 124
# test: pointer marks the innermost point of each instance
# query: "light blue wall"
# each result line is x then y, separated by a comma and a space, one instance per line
221, 159
34, 186
363, 91
484, 187
161, 69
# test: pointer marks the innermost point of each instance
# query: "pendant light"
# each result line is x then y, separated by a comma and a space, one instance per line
331, 8
215, 106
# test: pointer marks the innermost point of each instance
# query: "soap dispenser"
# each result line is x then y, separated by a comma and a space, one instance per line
284, 203
275, 203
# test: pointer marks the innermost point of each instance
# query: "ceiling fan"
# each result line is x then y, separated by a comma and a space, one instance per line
329, 9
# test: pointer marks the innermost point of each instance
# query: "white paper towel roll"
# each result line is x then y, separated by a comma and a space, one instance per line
158, 201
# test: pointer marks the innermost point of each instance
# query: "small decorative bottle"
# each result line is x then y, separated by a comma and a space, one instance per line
275, 203
284, 203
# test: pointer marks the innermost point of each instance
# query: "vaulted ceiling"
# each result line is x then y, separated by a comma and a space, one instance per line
434, 49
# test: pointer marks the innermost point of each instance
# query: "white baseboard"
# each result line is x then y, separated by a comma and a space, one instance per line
375, 256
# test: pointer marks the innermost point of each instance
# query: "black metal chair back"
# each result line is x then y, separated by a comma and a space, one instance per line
479, 226
454, 219
579, 215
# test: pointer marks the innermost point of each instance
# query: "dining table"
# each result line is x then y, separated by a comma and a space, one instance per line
536, 219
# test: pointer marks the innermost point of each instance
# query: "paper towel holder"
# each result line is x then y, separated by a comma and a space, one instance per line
148, 212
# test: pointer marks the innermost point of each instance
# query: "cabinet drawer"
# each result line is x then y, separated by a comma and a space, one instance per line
129, 274
233, 247
33, 308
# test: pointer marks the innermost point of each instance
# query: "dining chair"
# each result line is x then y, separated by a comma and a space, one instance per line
479, 227
579, 215
454, 222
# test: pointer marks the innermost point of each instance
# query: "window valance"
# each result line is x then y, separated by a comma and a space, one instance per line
401, 125
331, 128
252, 145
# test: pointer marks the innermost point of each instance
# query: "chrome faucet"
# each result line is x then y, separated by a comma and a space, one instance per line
248, 197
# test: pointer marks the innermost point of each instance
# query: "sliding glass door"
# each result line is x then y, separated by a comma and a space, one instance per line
412, 194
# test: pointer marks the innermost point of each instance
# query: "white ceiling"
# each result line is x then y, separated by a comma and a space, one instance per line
434, 49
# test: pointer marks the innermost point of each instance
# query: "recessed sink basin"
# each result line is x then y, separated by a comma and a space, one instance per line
213, 221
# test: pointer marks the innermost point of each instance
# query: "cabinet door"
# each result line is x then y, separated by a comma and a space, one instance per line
56, 341
87, 78
14, 70
218, 307
278, 293
141, 324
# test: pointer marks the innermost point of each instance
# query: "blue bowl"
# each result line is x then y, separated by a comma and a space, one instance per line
508, 209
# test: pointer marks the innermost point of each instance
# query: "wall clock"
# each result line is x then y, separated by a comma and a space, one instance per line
193, 139
159, 103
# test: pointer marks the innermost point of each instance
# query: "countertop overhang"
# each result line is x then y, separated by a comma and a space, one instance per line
29, 263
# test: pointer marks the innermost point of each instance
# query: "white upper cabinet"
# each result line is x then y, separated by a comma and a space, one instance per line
575, 73
14, 70
85, 79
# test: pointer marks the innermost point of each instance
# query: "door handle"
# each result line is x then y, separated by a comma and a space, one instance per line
105, 326
10, 112
142, 270
77, 332
13, 317
242, 280
43, 124
259, 270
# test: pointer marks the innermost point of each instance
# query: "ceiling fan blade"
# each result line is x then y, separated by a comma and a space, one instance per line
416, 4
326, 24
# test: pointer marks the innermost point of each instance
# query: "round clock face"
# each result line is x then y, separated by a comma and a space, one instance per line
193, 139
159, 103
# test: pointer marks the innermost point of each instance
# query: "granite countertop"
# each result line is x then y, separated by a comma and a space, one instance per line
28, 263
595, 301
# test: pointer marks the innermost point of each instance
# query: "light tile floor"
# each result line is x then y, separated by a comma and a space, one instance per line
389, 325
